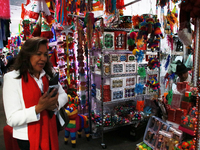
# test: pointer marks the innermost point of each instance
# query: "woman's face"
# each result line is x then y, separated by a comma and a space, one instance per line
39, 60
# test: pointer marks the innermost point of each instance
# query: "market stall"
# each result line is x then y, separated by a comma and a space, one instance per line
121, 70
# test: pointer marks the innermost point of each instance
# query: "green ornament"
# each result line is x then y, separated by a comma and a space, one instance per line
142, 72
131, 42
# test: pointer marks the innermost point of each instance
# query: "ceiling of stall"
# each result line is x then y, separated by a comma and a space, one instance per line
17, 2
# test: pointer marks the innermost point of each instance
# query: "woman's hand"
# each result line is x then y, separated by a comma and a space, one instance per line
47, 102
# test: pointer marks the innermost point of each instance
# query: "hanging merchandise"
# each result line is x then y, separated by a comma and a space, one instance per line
185, 33
154, 40
139, 88
37, 28
167, 62
150, 25
170, 41
54, 57
131, 41
89, 22
33, 8
45, 28
153, 83
139, 55
178, 44
175, 1
153, 63
172, 18
162, 3
141, 72
5, 9
142, 30
26, 27
80, 59
66, 30
136, 20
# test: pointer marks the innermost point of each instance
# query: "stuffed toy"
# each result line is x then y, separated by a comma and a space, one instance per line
76, 123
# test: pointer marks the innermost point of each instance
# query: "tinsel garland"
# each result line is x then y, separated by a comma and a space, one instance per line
80, 59
89, 22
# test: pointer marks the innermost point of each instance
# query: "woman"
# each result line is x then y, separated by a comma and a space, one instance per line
26, 101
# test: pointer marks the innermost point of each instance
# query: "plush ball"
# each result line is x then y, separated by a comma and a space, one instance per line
133, 35
131, 42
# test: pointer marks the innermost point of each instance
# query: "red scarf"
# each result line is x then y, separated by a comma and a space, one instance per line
42, 134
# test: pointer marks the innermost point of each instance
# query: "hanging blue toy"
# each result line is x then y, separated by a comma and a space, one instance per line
139, 88
139, 56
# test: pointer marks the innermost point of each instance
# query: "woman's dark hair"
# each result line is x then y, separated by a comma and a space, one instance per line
22, 61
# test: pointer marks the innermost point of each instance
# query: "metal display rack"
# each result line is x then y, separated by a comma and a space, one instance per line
102, 76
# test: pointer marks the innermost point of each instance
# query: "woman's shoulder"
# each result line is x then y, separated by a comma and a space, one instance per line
12, 74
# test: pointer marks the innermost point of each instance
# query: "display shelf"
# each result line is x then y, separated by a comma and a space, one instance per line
113, 76
173, 124
110, 128
177, 53
116, 101
117, 29
146, 96
110, 68
186, 130
151, 72
126, 51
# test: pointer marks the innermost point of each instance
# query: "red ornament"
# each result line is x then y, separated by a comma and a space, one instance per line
133, 35
192, 147
185, 145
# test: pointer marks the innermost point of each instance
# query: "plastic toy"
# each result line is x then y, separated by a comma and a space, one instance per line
77, 122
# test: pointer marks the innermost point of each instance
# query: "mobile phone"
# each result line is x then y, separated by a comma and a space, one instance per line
53, 84
51, 88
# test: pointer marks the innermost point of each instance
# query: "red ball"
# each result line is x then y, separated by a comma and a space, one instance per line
133, 35
192, 147
185, 145
180, 147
